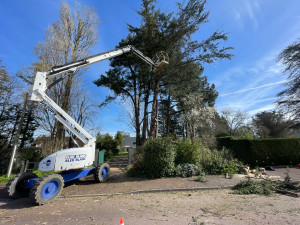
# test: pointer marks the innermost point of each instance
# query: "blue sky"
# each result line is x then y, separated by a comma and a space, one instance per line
257, 29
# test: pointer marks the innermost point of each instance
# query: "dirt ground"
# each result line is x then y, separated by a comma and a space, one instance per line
119, 182
204, 206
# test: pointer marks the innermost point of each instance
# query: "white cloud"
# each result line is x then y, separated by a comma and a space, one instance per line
250, 88
244, 86
265, 108
253, 88
246, 10
245, 104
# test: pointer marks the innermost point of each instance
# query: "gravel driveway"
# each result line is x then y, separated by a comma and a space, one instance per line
208, 207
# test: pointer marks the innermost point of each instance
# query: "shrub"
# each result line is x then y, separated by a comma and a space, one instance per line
191, 152
187, 170
187, 152
222, 162
158, 159
134, 171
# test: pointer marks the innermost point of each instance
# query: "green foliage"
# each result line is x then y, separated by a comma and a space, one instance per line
201, 178
5, 154
224, 141
245, 132
133, 170
4, 179
168, 120
119, 138
264, 187
187, 170
32, 154
287, 178
262, 152
40, 174
223, 134
271, 124
107, 143
187, 152
159, 156
9, 122
222, 162
193, 152
289, 98
171, 32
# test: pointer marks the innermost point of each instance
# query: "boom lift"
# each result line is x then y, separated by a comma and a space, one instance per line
73, 163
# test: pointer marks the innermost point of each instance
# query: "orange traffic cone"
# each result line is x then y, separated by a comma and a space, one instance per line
121, 221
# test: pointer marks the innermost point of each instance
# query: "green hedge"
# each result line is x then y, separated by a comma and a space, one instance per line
263, 152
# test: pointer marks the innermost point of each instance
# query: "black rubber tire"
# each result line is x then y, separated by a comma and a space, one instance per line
98, 177
36, 192
15, 188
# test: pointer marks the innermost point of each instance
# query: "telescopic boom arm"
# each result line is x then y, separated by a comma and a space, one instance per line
72, 67
45, 80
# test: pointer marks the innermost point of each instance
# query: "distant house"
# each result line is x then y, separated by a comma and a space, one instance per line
128, 142
296, 130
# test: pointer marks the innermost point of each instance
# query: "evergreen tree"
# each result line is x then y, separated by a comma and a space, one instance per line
271, 124
119, 138
131, 78
290, 97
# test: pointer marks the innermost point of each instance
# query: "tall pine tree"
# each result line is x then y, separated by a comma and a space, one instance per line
172, 33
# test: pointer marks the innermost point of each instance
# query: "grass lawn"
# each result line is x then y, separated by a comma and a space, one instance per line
4, 179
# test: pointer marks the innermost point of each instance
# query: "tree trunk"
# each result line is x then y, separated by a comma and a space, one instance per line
168, 115
145, 120
137, 125
154, 114
137, 108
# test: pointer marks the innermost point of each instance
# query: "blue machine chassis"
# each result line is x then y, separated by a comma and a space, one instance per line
67, 175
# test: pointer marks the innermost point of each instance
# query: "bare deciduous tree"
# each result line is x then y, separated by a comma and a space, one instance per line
68, 39
235, 119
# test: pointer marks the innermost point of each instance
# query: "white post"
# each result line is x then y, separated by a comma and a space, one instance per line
17, 137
